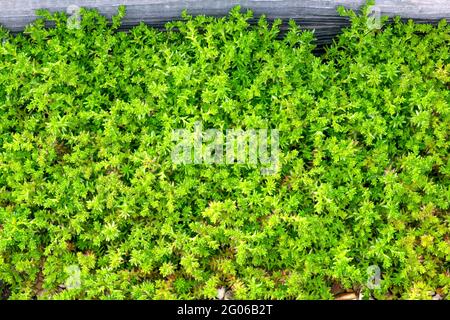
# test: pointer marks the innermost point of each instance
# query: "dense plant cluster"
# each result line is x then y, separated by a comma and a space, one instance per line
87, 180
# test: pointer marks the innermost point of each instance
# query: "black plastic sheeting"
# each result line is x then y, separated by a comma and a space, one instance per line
319, 15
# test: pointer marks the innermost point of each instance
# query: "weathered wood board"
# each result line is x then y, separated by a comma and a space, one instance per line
319, 15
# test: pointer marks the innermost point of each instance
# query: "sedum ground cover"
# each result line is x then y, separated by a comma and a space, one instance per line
93, 207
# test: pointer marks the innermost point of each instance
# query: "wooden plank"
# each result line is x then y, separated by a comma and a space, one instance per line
319, 15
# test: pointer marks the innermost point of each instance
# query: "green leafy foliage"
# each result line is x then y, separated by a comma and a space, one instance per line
86, 176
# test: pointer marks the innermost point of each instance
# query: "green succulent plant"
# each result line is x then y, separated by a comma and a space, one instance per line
86, 177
